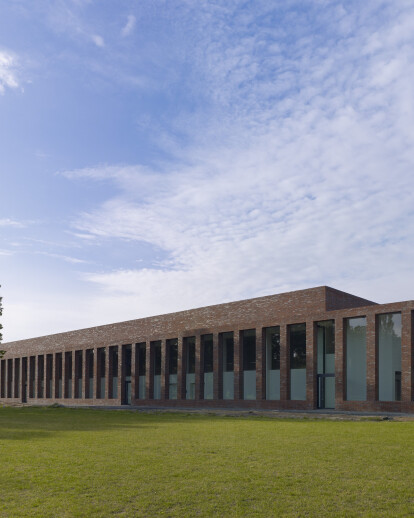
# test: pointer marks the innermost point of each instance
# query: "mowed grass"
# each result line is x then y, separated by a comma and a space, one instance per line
78, 462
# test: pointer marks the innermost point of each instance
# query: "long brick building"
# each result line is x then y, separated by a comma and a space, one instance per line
314, 348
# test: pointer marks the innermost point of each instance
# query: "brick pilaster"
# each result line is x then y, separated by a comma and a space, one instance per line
260, 364
199, 377
217, 368
372, 370
238, 366
311, 364
340, 362
181, 370
284, 363
407, 356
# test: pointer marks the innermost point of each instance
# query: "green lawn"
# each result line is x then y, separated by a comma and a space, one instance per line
67, 462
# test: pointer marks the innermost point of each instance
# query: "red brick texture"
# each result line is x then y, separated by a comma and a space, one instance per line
305, 306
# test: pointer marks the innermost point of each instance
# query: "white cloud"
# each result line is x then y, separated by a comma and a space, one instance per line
8, 71
129, 26
302, 177
7, 222
98, 40
66, 258
295, 168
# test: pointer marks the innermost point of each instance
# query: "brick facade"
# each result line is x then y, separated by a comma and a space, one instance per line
101, 365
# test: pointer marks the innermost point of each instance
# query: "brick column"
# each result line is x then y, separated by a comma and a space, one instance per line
64, 380
73, 353
53, 377
38, 380
407, 353
108, 365
134, 372
85, 381
120, 374
164, 370
217, 368
284, 363
199, 377
95, 372
149, 371
260, 364
238, 366
14, 370
23, 379
181, 370
56, 377
372, 371
311, 364
340, 362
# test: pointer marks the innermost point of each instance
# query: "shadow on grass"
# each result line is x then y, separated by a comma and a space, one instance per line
42, 422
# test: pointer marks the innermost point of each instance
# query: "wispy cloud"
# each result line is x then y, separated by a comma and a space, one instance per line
66, 258
281, 184
129, 26
8, 71
98, 40
7, 222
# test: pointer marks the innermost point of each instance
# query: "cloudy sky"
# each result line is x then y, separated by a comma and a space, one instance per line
162, 155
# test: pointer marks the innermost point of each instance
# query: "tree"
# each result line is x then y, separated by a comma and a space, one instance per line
2, 353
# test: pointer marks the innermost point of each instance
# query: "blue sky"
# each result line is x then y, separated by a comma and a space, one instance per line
157, 156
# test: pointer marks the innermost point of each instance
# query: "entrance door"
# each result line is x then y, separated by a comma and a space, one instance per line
326, 364
24, 392
326, 390
127, 393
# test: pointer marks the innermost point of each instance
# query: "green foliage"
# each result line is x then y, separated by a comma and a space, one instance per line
78, 462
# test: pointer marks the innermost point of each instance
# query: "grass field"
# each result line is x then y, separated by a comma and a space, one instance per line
68, 462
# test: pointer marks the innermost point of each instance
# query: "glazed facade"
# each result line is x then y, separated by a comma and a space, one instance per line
308, 349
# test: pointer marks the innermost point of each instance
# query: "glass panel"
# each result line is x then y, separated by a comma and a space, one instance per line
389, 357
172, 347
356, 359
157, 369
325, 332
207, 348
142, 358
227, 341
297, 348
272, 362
249, 363
189, 344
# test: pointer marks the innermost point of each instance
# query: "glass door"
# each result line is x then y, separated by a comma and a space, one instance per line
326, 364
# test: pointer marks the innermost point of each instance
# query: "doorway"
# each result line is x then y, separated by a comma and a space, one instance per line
326, 364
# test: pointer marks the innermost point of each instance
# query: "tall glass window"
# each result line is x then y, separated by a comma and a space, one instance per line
17, 377
40, 376
49, 375
3, 378
189, 348
389, 357
78, 374
227, 343
172, 346
297, 348
326, 363
32, 370
68, 375
142, 358
58, 375
356, 359
207, 348
272, 362
249, 363
113, 372
89, 373
101, 359
156, 348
